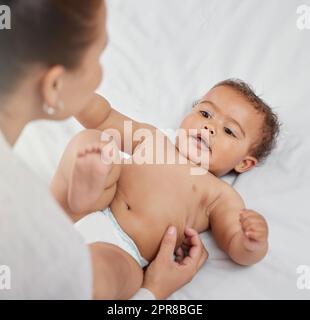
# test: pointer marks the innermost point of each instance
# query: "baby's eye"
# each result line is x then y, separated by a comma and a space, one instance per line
229, 132
206, 114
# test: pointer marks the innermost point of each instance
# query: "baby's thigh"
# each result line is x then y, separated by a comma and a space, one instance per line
116, 274
106, 197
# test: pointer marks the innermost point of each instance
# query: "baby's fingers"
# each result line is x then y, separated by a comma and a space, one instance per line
250, 214
256, 235
252, 219
253, 223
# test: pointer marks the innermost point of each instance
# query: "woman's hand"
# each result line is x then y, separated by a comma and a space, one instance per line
166, 275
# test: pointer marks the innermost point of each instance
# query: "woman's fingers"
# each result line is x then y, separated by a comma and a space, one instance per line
168, 243
165, 275
203, 258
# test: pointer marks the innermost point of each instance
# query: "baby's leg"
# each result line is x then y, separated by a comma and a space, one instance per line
117, 274
83, 183
88, 178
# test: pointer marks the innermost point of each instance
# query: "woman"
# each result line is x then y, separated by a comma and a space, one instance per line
49, 64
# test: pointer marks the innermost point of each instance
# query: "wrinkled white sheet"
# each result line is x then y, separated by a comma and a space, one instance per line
164, 54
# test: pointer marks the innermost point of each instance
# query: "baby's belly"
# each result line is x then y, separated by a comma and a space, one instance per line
147, 226
150, 198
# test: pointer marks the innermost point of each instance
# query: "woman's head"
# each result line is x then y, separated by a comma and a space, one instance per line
53, 48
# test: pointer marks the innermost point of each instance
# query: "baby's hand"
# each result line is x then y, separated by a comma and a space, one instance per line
255, 229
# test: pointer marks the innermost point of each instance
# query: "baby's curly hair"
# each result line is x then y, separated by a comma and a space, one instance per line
271, 125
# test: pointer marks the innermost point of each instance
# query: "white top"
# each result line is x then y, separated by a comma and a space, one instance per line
41, 254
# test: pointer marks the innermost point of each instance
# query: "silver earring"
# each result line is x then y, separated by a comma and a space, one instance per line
52, 110
48, 110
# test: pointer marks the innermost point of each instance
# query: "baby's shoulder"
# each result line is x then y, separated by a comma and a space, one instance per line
224, 193
215, 183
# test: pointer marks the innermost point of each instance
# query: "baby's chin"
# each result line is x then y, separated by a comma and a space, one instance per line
194, 156
207, 162
206, 167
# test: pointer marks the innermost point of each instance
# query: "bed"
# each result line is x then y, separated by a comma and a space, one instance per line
164, 54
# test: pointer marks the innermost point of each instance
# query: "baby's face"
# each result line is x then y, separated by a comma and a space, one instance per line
233, 127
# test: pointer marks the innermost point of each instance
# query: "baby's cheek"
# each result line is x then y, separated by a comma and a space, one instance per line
184, 124
189, 122
231, 157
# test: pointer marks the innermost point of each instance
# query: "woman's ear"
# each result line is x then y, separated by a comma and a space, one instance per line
246, 164
51, 85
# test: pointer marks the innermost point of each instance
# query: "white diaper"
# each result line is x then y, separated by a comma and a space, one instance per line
102, 226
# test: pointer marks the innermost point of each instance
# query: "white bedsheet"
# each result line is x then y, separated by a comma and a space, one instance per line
162, 55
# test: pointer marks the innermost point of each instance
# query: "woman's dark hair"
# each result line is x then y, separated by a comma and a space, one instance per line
46, 32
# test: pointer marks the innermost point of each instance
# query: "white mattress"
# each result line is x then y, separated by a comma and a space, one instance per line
162, 55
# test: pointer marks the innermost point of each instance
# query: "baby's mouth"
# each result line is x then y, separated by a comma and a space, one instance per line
201, 142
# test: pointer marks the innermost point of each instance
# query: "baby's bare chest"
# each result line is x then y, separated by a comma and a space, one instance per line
168, 190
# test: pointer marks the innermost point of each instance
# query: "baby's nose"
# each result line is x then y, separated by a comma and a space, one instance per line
211, 130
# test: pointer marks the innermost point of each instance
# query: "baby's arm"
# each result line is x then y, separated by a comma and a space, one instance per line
241, 233
101, 116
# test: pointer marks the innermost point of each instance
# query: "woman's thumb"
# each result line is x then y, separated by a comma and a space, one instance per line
168, 243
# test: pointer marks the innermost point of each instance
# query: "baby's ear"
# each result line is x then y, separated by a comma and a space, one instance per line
246, 164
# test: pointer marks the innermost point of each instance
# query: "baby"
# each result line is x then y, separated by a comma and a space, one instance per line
130, 205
